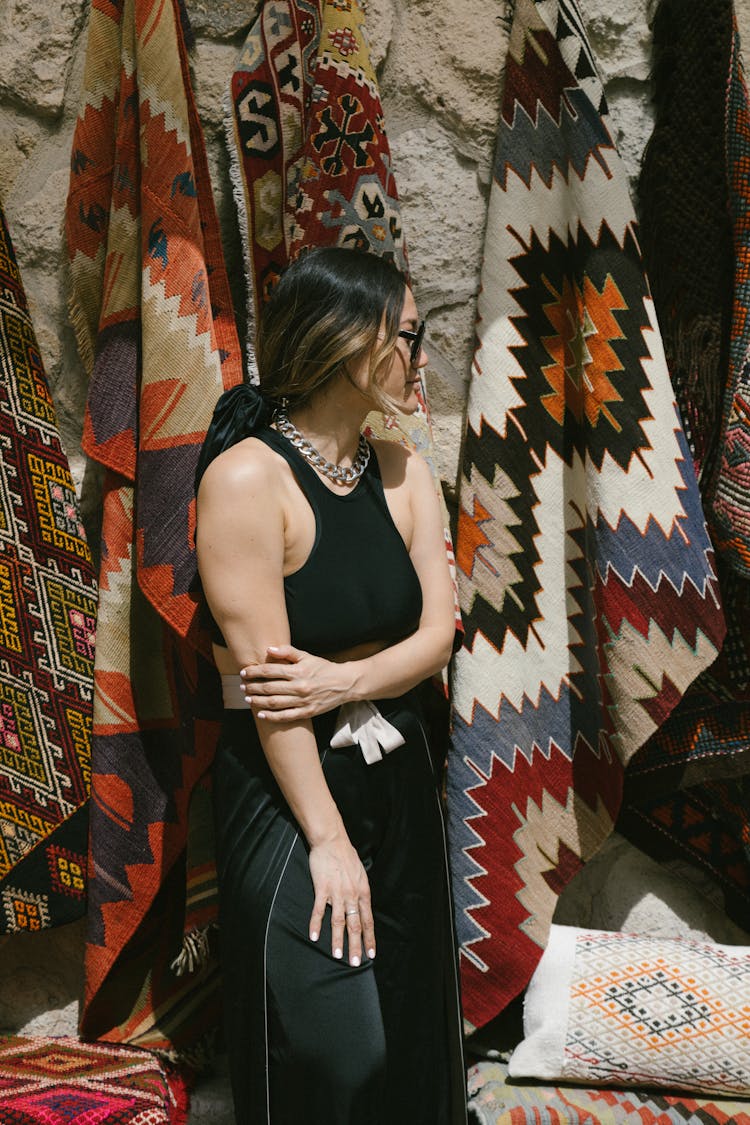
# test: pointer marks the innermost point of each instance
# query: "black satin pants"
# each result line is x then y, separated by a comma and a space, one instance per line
311, 1039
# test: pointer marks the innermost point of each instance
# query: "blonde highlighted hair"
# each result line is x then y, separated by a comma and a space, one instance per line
332, 309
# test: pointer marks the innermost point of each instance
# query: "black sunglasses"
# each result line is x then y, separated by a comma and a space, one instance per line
416, 342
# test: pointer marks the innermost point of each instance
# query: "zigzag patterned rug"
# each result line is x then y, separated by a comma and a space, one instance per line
585, 568
154, 321
47, 623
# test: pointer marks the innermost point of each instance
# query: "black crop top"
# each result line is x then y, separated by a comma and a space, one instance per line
358, 583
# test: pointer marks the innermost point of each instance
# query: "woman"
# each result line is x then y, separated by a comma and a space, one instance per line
323, 564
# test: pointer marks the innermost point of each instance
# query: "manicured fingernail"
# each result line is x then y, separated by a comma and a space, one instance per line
273, 648
371, 953
261, 714
354, 961
314, 935
337, 953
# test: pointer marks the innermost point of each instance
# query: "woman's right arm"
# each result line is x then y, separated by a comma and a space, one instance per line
240, 545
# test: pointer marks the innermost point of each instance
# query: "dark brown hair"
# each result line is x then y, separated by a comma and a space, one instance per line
325, 318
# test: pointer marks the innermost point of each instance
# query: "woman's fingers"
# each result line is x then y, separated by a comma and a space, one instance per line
272, 702
316, 918
354, 933
285, 652
368, 926
340, 881
266, 674
338, 921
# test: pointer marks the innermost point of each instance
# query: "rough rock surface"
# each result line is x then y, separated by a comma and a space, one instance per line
440, 69
35, 42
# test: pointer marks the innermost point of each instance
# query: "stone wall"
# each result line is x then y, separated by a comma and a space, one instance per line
440, 67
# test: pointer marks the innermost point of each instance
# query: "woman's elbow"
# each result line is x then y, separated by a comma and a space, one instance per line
444, 647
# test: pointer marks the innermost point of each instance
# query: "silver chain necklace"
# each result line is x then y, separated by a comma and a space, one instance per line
339, 473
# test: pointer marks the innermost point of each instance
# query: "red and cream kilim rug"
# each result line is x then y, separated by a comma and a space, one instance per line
586, 572
154, 322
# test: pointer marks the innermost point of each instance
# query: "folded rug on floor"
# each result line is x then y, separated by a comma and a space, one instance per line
154, 322
496, 1100
585, 568
47, 622
65, 1082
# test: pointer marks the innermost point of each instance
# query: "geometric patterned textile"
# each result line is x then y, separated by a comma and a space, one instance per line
707, 824
154, 321
65, 1082
585, 568
685, 218
311, 161
47, 623
638, 1010
495, 1099
728, 495
703, 124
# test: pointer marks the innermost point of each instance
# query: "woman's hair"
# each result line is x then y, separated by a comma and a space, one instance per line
324, 318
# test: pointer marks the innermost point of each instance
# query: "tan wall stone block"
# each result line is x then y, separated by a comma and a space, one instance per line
36, 43
449, 56
221, 19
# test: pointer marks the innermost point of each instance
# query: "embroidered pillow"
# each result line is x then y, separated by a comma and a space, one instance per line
634, 1010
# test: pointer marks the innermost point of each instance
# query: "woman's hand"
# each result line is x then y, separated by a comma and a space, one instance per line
295, 685
340, 881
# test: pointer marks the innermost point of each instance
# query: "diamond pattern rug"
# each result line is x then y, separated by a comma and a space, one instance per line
48, 602
494, 1099
51, 1081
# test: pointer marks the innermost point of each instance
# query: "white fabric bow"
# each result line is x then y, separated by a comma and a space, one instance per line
362, 724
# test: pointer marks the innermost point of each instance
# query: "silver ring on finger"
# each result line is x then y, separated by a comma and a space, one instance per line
353, 911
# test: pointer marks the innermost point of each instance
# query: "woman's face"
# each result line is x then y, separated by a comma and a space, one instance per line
398, 380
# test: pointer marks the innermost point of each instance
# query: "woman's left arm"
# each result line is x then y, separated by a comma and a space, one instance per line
296, 684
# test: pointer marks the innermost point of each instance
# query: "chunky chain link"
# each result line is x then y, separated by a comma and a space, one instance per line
339, 473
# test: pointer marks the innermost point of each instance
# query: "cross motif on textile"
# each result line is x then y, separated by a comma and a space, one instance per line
343, 134
288, 73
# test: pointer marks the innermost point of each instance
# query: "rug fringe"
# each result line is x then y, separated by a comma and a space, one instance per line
179, 1083
81, 332
195, 951
238, 192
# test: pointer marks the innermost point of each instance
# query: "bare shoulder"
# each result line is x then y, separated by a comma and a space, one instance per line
247, 467
400, 465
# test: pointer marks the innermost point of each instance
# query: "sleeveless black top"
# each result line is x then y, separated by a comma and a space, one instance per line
358, 583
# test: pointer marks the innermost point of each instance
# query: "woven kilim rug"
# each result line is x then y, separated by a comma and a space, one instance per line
585, 567
311, 161
154, 322
496, 1100
47, 623
696, 246
312, 166
65, 1082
